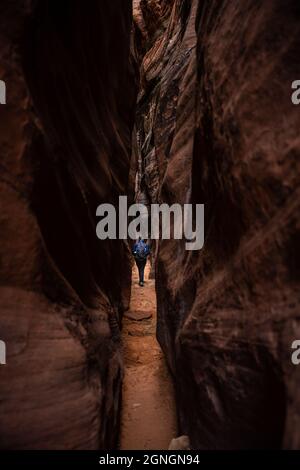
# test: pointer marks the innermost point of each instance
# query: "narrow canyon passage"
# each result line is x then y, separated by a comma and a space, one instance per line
165, 102
148, 417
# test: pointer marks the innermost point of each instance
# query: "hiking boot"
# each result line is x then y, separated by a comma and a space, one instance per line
141, 284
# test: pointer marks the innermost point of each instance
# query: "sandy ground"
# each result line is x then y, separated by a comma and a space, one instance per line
148, 419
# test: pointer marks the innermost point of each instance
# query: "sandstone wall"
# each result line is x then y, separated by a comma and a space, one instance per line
216, 125
65, 140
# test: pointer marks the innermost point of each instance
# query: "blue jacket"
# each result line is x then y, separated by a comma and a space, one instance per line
141, 250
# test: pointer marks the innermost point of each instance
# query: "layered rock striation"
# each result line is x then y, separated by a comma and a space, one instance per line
215, 125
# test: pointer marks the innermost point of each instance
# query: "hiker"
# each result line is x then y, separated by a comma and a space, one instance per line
140, 252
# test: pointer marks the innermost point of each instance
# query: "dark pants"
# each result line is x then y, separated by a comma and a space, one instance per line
141, 263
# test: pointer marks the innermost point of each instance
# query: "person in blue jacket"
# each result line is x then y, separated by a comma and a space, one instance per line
140, 252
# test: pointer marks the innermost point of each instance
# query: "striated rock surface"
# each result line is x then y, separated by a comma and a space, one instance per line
65, 140
215, 125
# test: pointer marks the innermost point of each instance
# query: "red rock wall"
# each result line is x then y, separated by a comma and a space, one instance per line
65, 138
216, 125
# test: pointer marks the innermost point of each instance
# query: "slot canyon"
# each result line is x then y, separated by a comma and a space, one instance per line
164, 101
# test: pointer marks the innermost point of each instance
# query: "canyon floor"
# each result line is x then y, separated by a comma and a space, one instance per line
148, 418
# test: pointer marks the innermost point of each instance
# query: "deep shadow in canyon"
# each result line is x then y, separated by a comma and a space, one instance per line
65, 148
182, 101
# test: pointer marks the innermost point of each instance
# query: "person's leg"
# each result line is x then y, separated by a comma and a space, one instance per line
138, 263
141, 266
